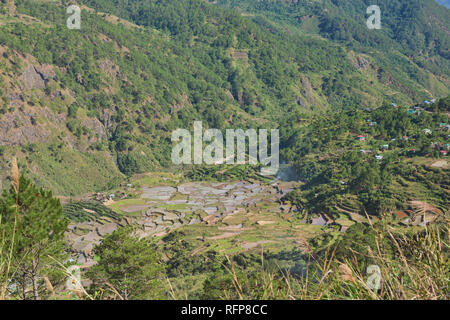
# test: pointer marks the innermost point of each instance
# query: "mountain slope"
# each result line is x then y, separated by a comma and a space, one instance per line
83, 108
414, 33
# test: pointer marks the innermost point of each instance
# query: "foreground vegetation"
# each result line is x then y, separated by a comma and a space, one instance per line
413, 266
412, 262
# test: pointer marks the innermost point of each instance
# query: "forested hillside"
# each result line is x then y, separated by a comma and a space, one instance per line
99, 103
413, 33
373, 161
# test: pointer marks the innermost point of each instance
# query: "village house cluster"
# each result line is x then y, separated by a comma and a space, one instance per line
443, 148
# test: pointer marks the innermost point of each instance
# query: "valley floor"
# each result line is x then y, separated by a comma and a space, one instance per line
230, 216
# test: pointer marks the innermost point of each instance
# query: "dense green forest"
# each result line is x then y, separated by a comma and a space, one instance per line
378, 155
170, 63
407, 39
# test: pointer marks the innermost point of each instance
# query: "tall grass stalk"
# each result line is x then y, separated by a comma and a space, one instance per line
7, 247
418, 269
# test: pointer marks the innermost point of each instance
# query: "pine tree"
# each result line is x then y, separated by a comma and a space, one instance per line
37, 222
128, 265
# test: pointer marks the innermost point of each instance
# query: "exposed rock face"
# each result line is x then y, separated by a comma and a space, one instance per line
17, 129
96, 127
15, 99
111, 69
307, 89
35, 77
46, 71
32, 79
362, 63
10, 6
21, 128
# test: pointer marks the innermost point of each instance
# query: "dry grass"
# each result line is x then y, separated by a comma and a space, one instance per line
418, 269
7, 245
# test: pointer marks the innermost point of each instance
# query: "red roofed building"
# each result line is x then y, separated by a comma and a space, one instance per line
361, 138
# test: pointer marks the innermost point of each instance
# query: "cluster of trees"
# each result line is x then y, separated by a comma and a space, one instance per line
343, 20
336, 164
141, 83
128, 268
32, 243
161, 86
34, 255
419, 36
